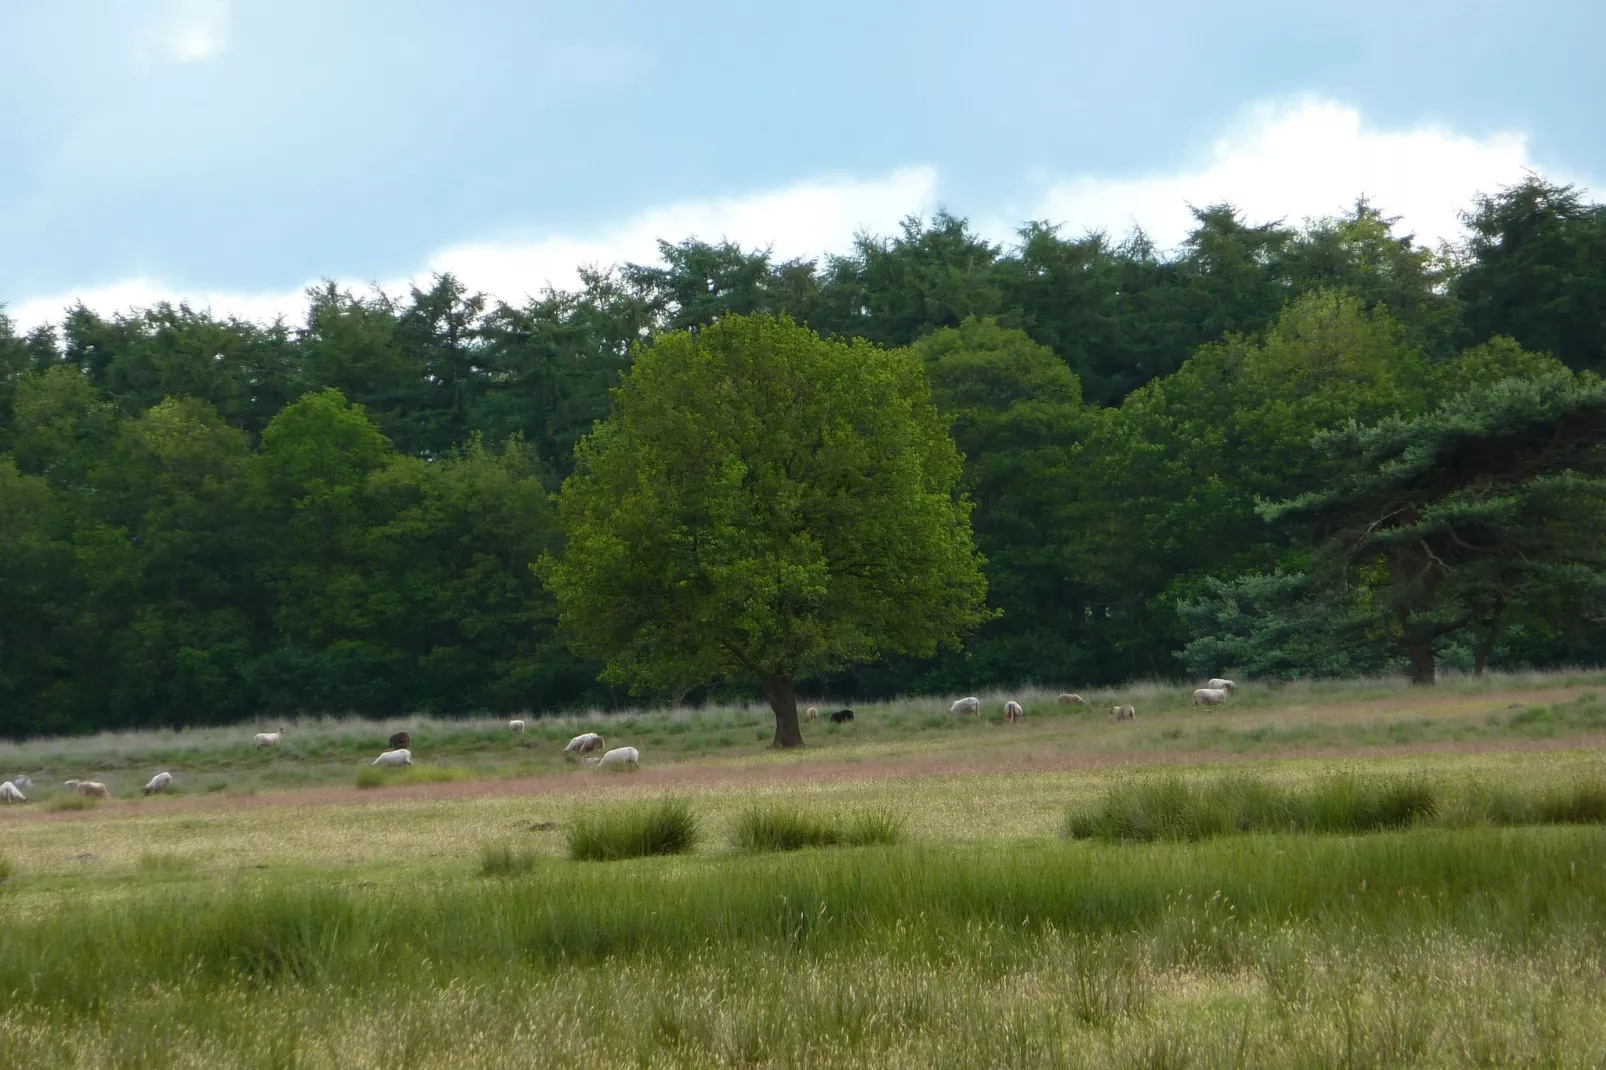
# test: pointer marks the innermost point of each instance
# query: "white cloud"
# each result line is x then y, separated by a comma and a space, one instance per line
195, 30
802, 220
1303, 159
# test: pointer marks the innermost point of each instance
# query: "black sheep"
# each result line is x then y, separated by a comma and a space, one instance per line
841, 716
401, 740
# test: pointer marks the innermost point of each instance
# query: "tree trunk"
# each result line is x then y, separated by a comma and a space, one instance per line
1423, 663
781, 693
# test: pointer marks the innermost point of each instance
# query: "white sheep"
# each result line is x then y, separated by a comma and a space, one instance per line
619, 758
10, 794
22, 780
813, 714
1013, 711
1222, 685
95, 788
970, 705
1123, 713
1072, 700
159, 782
515, 725
1209, 696
268, 739
584, 743
394, 757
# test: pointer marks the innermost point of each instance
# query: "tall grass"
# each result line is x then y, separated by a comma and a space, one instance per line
666, 827
505, 860
781, 828
1176, 808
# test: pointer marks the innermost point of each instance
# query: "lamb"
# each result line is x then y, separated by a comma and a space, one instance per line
813, 714
1209, 696
1123, 713
93, 787
394, 757
1072, 700
159, 782
399, 741
268, 739
584, 743
842, 716
1013, 711
515, 725
619, 758
10, 794
970, 705
1222, 685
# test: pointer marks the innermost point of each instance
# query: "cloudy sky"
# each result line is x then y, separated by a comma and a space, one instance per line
231, 152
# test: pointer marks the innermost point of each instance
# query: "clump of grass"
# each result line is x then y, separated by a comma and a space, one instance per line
5, 869
666, 827
72, 802
778, 828
1173, 808
216, 786
165, 863
375, 776
505, 860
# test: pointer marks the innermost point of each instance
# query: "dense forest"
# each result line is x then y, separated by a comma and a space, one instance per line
1224, 456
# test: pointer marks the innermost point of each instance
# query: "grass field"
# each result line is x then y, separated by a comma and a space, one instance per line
297, 920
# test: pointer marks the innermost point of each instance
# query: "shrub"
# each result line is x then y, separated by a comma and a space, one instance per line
666, 827
503, 860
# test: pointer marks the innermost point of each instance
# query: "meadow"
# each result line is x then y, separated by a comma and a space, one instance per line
1324, 874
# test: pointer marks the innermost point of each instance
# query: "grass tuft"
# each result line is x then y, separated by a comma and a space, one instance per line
72, 802
5, 869
777, 828
667, 827
380, 777
505, 860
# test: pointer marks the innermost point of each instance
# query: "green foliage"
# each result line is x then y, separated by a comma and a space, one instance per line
777, 828
505, 860
765, 504
667, 827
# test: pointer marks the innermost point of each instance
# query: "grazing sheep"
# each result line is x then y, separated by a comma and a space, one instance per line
70, 785
970, 705
515, 725
619, 758
1209, 696
813, 714
1072, 700
1123, 713
1222, 685
95, 788
10, 794
1012, 711
841, 716
268, 739
584, 743
394, 757
399, 741
159, 782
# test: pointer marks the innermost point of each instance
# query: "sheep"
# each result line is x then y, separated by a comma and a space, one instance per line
515, 725
1222, 685
268, 739
842, 716
813, 714
70, 785
95, 788
1012, 711
619, 758
10, 794
970, 705
159, 782
399, 741
1072, 700
585, 743
394, 757
1123, 713
1209, 696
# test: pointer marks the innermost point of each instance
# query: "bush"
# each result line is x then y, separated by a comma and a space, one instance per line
778, 829
503, 860
666, 827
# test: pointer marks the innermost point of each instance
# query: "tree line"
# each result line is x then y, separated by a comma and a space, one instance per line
1166, 454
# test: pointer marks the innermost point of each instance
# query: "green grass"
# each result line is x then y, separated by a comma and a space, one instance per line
666, 827
5, 869
504, 860
381, 777
778, 827
72, 802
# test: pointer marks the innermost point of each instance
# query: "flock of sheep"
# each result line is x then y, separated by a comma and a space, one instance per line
398, 751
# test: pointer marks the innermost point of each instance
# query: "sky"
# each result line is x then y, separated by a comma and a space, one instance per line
230, 153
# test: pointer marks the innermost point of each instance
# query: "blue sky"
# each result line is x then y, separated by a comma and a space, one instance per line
230, 152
